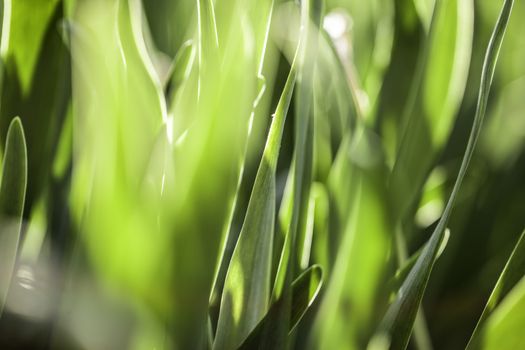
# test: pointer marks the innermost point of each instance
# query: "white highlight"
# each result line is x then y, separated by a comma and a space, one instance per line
135, 13
26, 278
6, 29
336, 24
169, 129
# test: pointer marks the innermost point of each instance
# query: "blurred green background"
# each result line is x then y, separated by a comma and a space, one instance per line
145, 124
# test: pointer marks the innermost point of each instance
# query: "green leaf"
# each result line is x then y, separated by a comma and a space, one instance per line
211, 123
424, 10
504, 328
446, 71
304, 244
360, 231
247, 286
435, 98
208, 40
304, 292
369, 34
399, 319
24, 28
303, 152
12, 196
332, 90
300, 176
64, 146
36, 82
118, 112
230, 236
305, 289
181, 67
511, 275
321, 233
303, 145
401, 274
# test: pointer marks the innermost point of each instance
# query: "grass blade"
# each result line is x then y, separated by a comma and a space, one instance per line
230, 235
305, 289
303, 152
399, 319
434, 99
510, 276
401, 274
23, 36
247, 286
504, 328
180, 69
12, 197
360, 236
208, 38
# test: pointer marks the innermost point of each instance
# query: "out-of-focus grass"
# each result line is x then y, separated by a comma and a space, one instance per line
261, 174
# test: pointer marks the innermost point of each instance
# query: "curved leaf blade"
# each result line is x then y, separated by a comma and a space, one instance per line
399, 319
512, 273
402, 272
247, 286
504, 328
353, 297
12, 197
434, 99
305, 289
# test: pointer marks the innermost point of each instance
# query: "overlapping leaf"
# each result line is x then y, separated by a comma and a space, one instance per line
304, 292
507, 283
246, 291
352, 299
398, 321
435, 98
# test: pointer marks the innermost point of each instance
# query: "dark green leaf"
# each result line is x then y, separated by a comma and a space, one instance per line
435, 98
22, 40
304, 291
181, 66
395, 282
399, 319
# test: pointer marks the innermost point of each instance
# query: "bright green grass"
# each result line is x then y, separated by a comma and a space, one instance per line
241, 174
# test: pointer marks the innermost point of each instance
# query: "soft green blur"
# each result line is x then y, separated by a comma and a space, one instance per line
239, 174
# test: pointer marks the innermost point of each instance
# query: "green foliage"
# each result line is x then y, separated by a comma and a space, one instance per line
489, 328
304, 291
151, 199
12, 196
400, 316
434, 100
247, 287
